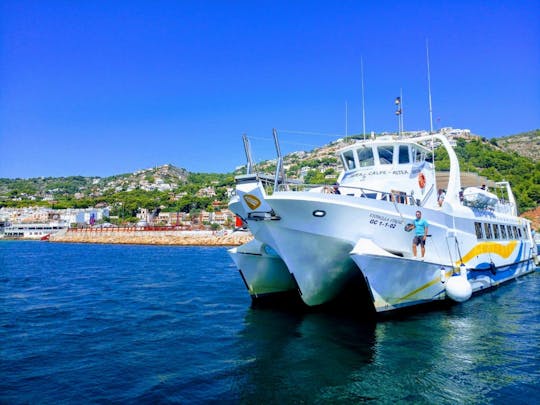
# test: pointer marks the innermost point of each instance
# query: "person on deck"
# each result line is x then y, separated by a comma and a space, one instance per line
440, 197
420, 227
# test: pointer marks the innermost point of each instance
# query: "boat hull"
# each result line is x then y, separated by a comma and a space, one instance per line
263, 272
395, 282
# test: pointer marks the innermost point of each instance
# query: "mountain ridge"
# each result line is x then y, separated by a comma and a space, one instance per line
495, 157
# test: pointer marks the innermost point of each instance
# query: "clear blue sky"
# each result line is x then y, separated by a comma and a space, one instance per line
98, 88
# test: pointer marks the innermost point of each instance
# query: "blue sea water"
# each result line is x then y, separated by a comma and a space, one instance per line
83, 323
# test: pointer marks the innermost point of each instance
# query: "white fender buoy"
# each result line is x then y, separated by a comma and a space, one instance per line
458, 287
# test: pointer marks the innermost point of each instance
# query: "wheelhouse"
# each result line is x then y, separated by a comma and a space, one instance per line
383, 154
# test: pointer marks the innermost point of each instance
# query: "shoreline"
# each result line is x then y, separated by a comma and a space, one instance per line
168, 237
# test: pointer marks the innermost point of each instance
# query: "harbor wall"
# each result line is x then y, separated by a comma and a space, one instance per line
153, 237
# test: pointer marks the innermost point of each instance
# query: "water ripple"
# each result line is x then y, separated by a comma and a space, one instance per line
154, 324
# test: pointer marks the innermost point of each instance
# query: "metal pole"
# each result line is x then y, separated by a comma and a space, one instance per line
279, 162
429, 89
346, 119
247, 150
363, 106
401, 110
398, 113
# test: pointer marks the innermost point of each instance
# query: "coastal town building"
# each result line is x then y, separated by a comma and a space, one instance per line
77, 217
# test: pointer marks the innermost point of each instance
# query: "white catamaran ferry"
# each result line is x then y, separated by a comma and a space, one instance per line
315, 242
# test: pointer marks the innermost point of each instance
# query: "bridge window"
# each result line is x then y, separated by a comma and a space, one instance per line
386, 154
365, 157
348, 160
516, 234
417, 155
403, 154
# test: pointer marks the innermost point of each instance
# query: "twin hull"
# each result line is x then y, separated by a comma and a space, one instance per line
317, 236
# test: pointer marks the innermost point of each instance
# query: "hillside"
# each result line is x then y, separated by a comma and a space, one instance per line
525, 144
515, 158
162, 178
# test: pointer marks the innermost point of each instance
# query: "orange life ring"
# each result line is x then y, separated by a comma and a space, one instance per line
421, 180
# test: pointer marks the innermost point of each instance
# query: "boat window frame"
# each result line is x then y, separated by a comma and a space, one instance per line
399, 155
370, 161
510, 232
387, 148
496, 234
487, 230
418, 155
478, 230
346, 159
503, 232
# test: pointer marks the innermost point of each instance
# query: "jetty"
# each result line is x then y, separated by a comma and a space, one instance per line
153, 236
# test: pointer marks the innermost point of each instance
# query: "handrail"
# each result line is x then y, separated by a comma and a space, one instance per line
401, 197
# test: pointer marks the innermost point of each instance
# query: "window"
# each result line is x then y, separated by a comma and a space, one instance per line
403, 154
496, 231
520, 233
510, 233
365, 157
478, 229
399, 196
516, 234
503, 232
386, 154
417, 155
487, 229
348, 160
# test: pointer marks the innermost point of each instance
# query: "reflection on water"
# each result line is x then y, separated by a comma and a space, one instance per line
294, 353
484, 350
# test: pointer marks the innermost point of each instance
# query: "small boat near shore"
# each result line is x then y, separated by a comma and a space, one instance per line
322, 239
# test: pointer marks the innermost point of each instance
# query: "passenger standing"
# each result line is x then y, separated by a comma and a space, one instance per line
440, 197
420, 233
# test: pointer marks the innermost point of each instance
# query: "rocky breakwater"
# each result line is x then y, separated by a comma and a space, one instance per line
153, 237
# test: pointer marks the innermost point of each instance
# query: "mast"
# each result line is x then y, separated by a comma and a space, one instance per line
247, 150
401, 114
363, 105
398, 114
429, 89
346, 119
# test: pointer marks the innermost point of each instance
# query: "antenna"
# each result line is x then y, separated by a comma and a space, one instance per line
363, 105
346, 119
429, 89
401, 115
398, 113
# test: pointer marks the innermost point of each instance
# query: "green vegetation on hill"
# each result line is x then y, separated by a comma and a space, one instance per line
489, 161
176, 190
